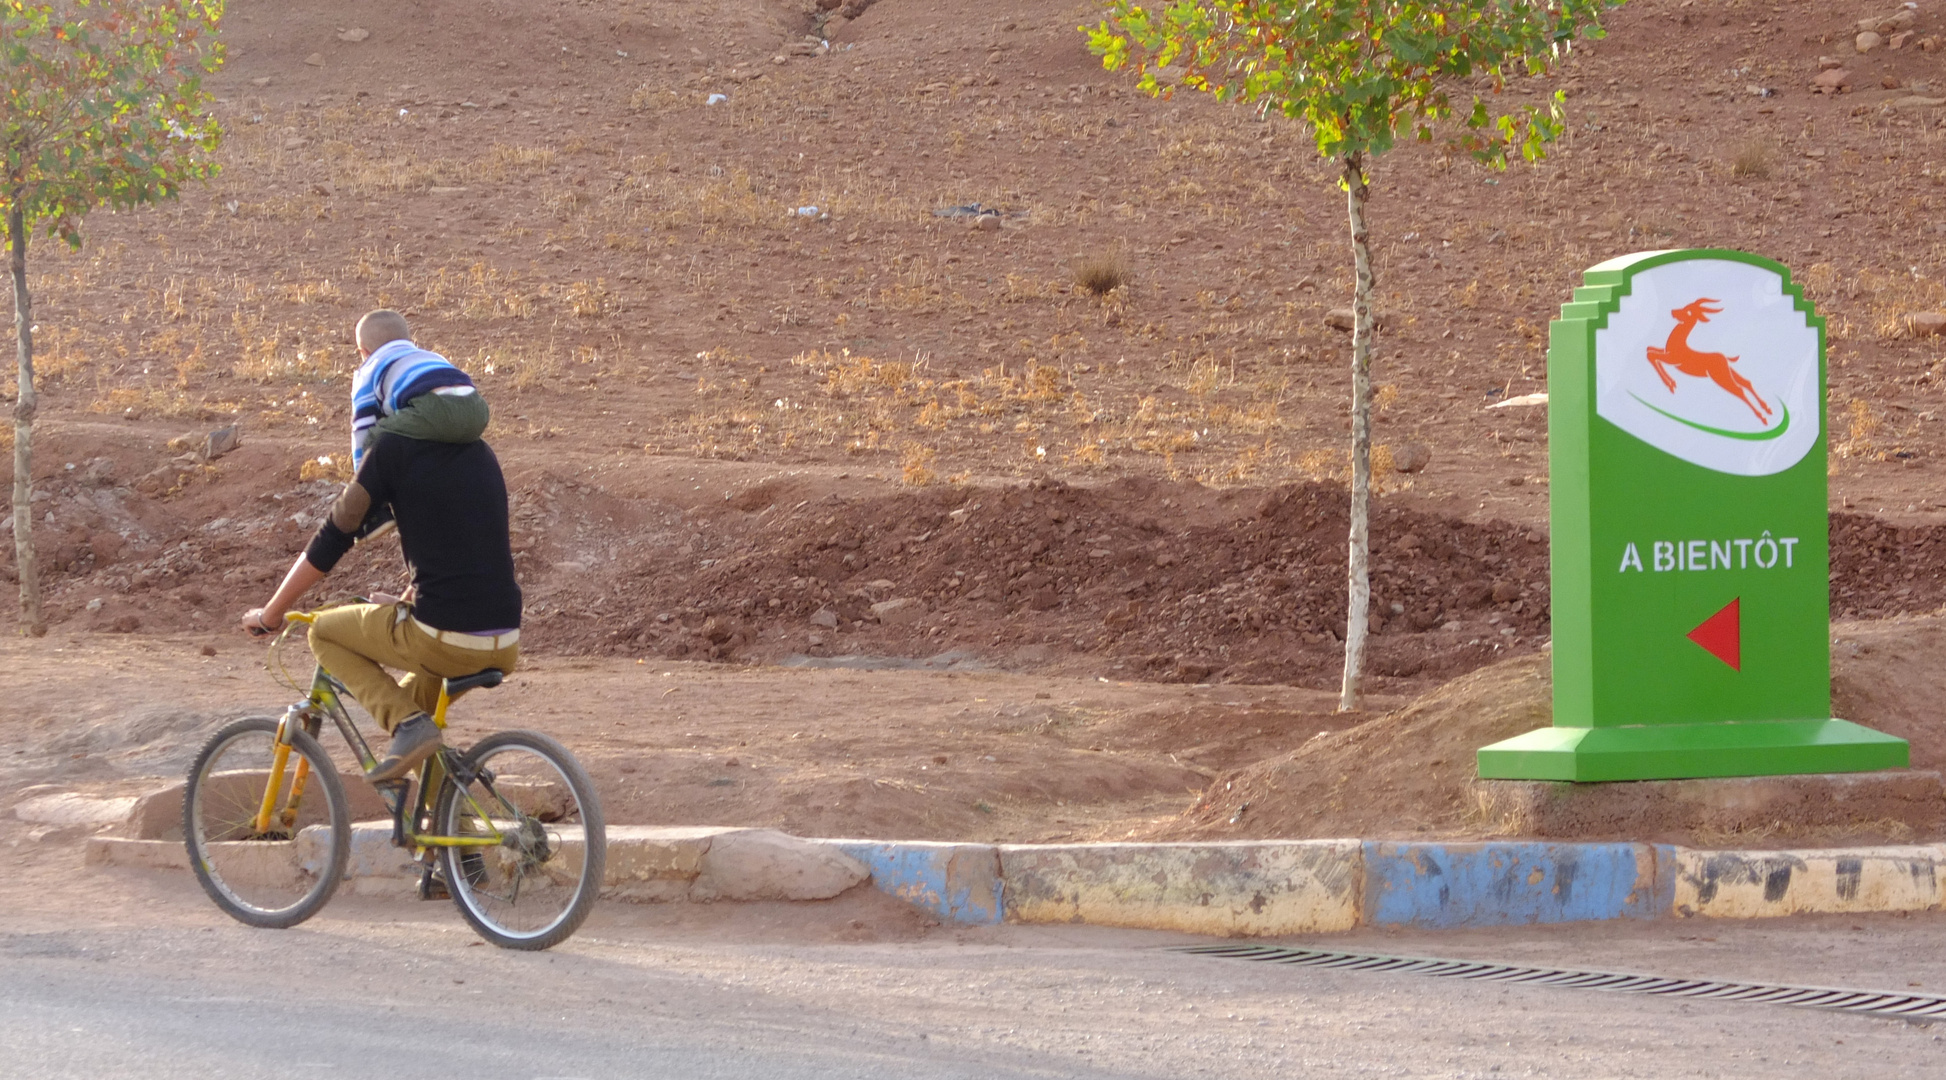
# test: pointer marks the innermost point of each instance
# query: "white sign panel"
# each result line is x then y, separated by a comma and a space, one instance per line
1710, 360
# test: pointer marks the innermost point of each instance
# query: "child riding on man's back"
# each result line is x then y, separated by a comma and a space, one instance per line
422, 465
411, 391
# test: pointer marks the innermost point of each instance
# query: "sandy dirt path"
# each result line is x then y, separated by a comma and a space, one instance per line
974, 755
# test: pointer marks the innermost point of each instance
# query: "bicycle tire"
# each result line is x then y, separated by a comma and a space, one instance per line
476, 877
251, 883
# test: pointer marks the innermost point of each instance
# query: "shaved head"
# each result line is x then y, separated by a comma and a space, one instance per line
379, 327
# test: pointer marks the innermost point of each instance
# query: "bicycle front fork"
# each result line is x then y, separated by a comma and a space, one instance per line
268, 810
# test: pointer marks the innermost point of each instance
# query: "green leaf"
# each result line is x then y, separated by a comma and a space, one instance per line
1359, 73
104, 105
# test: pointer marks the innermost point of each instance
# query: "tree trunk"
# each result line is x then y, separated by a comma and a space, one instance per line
1358, 616
24, 405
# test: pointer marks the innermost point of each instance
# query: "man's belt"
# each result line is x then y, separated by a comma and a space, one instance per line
483, 642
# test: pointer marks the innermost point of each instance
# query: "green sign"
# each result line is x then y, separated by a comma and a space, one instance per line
1690, 562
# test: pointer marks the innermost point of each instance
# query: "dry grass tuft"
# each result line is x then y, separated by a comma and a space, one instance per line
591, 301
1861, 423
335, 468
1752, 161
1087, 454
504, 161
917, 468
1102, 272
265, 362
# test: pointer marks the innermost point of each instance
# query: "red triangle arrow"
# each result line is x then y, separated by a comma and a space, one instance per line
1722, 635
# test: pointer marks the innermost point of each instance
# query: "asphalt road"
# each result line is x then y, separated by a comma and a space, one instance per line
164, 987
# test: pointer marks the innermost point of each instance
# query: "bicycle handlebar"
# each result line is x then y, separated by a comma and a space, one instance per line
289, 617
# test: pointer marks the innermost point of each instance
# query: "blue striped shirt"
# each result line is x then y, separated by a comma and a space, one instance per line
393, 375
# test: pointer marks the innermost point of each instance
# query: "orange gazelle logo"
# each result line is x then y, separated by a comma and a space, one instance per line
1676, 353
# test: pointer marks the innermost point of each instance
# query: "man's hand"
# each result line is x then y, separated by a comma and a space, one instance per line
254, 621
269, 618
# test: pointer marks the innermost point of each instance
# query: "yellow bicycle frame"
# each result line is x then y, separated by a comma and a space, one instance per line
323, 700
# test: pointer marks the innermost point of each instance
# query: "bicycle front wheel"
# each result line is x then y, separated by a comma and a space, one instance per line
273, 870
534, 886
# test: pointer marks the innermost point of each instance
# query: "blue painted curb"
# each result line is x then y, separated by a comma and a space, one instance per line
1441, 886
1383, 883
958, 883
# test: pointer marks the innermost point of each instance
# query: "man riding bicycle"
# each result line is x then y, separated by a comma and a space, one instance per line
462, 612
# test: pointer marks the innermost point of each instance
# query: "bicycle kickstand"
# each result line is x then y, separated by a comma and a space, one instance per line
431, 885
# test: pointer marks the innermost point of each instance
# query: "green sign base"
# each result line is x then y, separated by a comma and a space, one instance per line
1684, 751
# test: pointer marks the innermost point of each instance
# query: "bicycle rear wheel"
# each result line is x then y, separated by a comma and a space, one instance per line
533, 888
273, 877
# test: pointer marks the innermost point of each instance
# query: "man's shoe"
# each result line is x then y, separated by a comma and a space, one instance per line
413, 741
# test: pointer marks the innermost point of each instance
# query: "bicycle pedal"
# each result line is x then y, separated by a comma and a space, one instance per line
432, 886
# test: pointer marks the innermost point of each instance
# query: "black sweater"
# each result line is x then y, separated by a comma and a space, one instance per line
450, 502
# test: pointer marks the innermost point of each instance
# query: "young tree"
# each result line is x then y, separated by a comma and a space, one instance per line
101, 104
1360, 74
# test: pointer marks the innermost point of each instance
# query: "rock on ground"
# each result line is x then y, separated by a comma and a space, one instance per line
762, 864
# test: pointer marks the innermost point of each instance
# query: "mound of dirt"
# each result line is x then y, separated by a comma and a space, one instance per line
1141, 578
1411, 772
1171, 581
1163, 581
1403, 774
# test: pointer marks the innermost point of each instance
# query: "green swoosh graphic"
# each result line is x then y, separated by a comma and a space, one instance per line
1748, 436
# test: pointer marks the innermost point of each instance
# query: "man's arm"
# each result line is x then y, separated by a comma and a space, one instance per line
270, 617
334, 538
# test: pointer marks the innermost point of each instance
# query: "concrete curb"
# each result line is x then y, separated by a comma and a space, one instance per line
1249, 889
1509, 883
644, 864
1232, 889
958, 883
1759, 884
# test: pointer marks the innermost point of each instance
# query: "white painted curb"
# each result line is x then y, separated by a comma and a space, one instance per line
1766, 884
1229, 890
644, 864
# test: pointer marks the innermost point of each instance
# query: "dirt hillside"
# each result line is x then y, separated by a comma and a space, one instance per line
902, 334
548, 192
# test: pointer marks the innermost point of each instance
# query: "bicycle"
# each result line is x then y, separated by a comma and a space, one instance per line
511, 828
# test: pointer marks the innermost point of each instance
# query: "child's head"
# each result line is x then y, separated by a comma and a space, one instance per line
379, 327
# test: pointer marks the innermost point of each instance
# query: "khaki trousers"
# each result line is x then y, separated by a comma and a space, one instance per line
356, 643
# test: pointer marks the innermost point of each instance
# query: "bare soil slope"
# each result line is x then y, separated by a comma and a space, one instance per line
732, 427
903, 754
1402, 774
548, 192
1411, 771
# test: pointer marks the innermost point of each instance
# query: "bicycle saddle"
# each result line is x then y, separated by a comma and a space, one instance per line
484, 680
